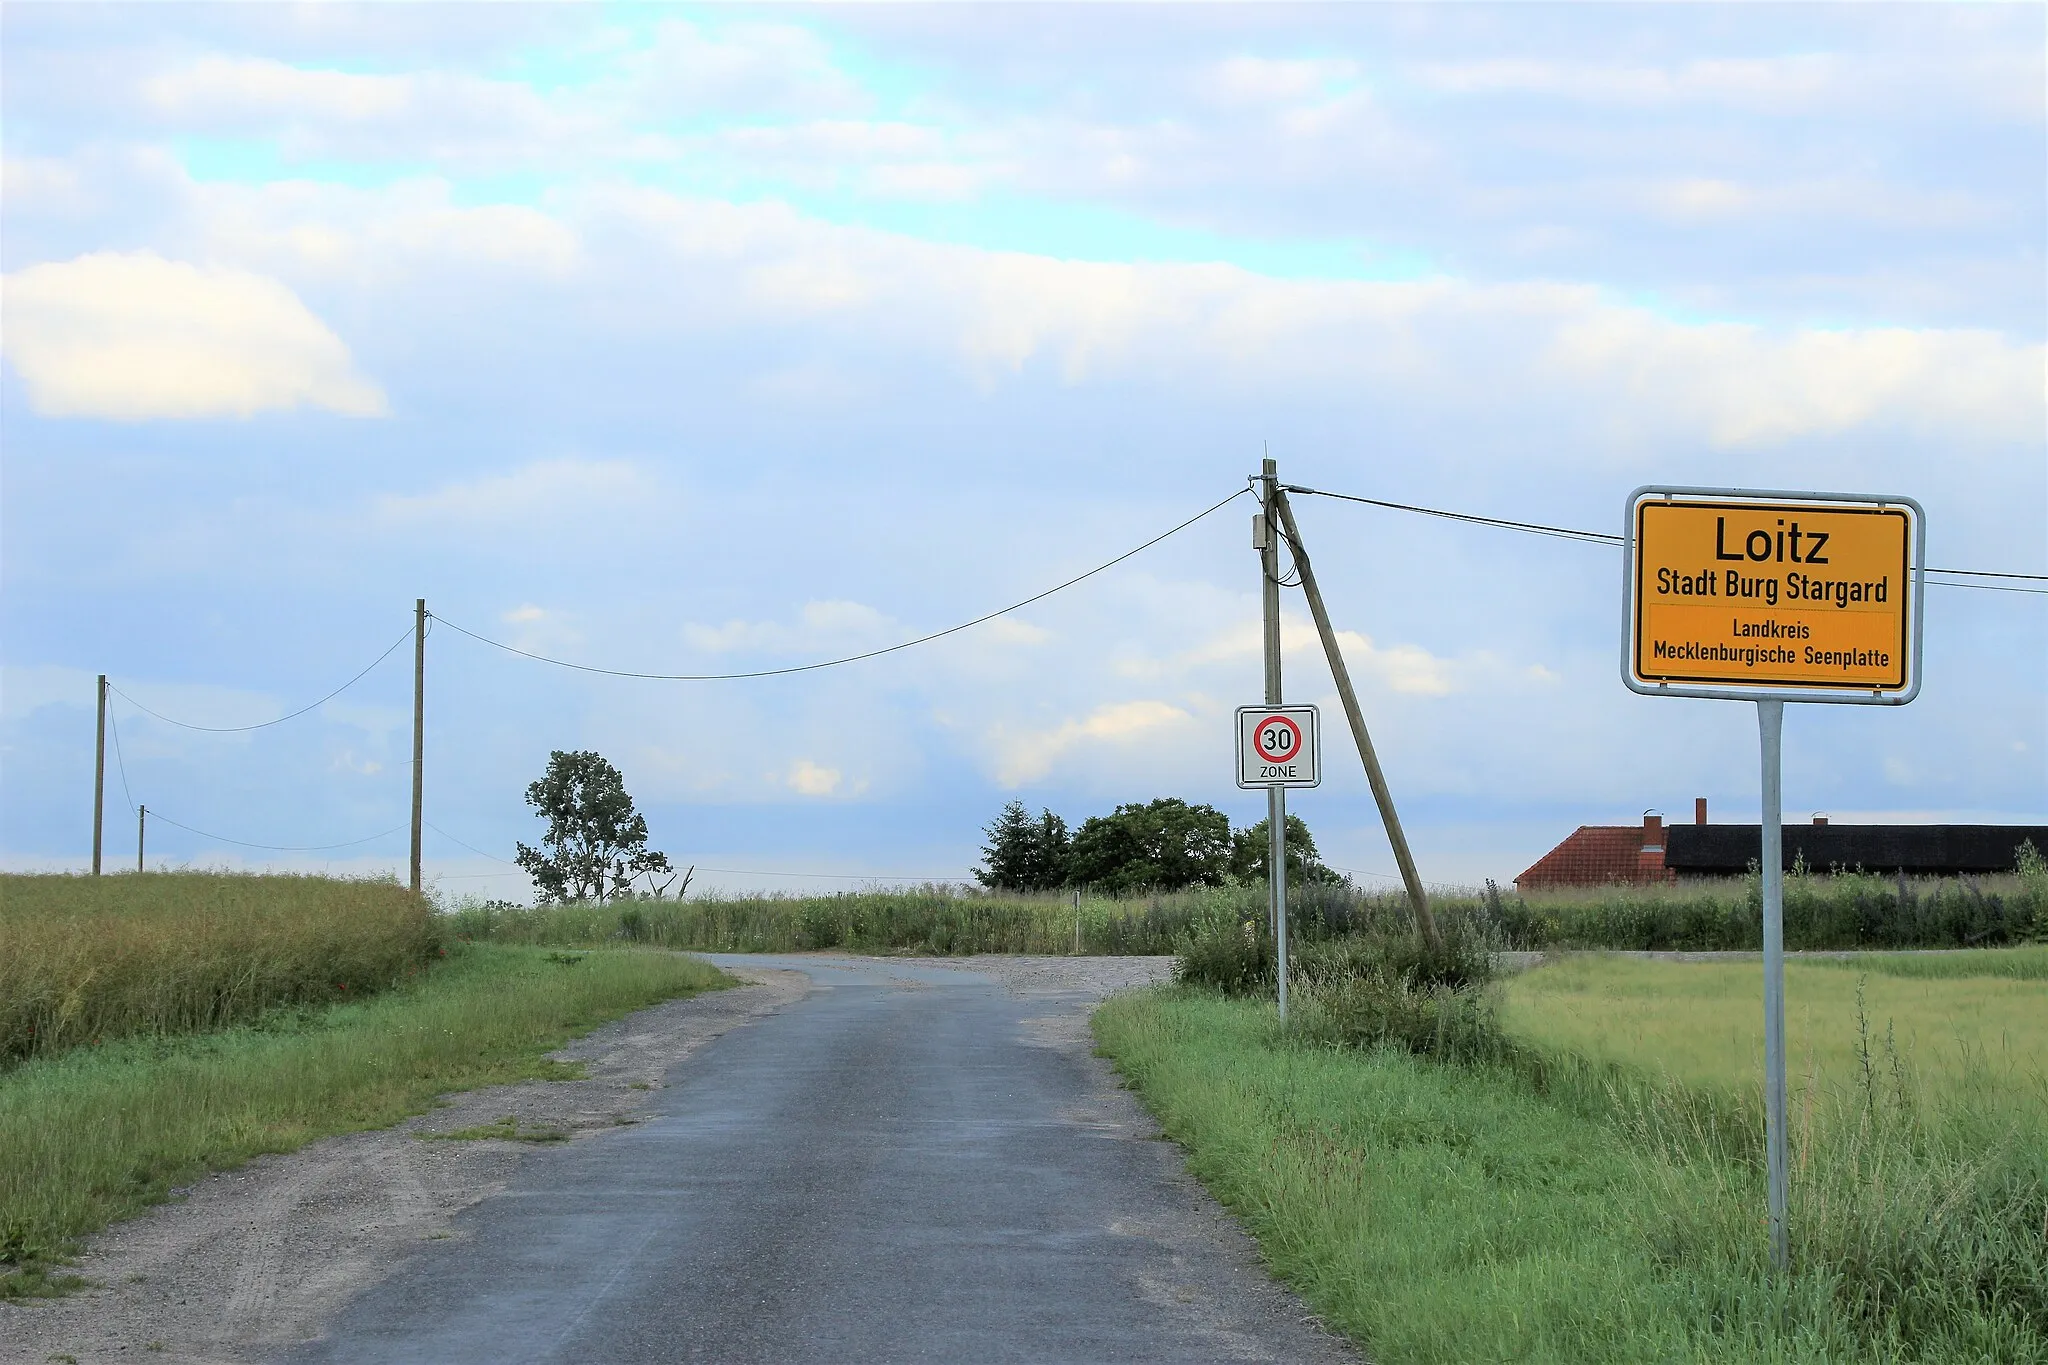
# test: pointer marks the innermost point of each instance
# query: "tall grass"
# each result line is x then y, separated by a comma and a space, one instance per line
1848, 910
98, 1133
89, 959
1823, 910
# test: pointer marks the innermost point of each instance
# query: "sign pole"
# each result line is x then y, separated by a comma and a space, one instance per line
1276, 795
1770, 716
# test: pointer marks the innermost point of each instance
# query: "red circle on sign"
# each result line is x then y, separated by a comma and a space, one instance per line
1293, 749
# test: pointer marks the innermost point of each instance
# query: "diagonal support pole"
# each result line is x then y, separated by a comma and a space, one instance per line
1417, 896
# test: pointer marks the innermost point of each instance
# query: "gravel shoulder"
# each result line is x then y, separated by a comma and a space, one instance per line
252, 1261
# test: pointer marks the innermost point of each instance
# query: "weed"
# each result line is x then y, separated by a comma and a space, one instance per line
506, 1129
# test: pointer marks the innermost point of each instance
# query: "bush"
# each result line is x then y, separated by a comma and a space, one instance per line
1447, 1023
1227, 953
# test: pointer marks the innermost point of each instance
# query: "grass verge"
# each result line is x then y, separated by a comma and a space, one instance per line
97, 1134
1438, 1213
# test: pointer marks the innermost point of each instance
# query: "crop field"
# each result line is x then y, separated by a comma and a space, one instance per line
91, 959
1960, 1019
1589, 1187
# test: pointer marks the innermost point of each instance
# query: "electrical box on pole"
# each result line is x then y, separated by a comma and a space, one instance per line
1771, 597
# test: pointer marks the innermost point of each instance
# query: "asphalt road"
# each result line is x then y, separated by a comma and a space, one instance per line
911, 1164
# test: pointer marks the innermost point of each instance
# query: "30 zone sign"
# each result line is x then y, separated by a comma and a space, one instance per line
1278, 746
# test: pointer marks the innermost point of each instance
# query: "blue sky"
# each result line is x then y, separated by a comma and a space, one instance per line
702, 340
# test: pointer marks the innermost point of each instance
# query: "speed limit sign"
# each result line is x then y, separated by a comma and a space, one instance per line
1278, 746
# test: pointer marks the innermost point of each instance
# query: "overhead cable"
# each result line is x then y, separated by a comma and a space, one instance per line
851, 658
264, 725
120, 762
1604, 538
155, 814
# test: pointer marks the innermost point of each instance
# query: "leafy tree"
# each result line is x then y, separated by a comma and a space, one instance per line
1249, 852
1165, 844
595, 847
1023, 854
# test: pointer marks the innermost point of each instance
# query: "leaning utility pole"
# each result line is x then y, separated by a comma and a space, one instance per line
99, 779
1276, 795
419, 730
1417, 897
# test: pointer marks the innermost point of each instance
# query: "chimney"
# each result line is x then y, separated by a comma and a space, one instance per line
1699, 810
1820, 819
1650, 860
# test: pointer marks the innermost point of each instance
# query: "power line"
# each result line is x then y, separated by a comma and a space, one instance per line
471, 847
264, 725
278, 848
851, 658
120, 762
1604, 538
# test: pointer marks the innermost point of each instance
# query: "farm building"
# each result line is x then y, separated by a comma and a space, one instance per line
1599, 855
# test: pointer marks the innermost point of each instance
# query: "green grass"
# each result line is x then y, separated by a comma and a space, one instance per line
1441, 1213
89, 959
98, 1133
1969, 1022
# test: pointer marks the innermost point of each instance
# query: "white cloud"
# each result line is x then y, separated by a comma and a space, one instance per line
542, 492
522, 615
1029, 755
818, 624
752, 67
1267, 80
134, 336
811, 779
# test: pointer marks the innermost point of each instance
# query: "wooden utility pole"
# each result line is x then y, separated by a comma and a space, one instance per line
419, 730
1276, 795
141, 831
99, 780
1417, 897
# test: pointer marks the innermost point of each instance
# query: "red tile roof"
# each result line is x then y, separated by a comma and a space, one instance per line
1595, 855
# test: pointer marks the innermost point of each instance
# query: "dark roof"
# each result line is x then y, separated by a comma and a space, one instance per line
1723, 850
1594, 855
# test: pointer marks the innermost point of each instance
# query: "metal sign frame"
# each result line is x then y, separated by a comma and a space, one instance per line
1309, 720
1815, 692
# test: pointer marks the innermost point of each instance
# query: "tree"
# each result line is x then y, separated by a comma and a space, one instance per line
1249, 849
1165, 845
595, 847
1023, 854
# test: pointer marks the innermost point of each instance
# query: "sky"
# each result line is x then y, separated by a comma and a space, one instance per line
684, 340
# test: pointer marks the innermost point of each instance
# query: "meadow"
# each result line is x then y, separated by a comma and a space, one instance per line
1569, 1167
91, 959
